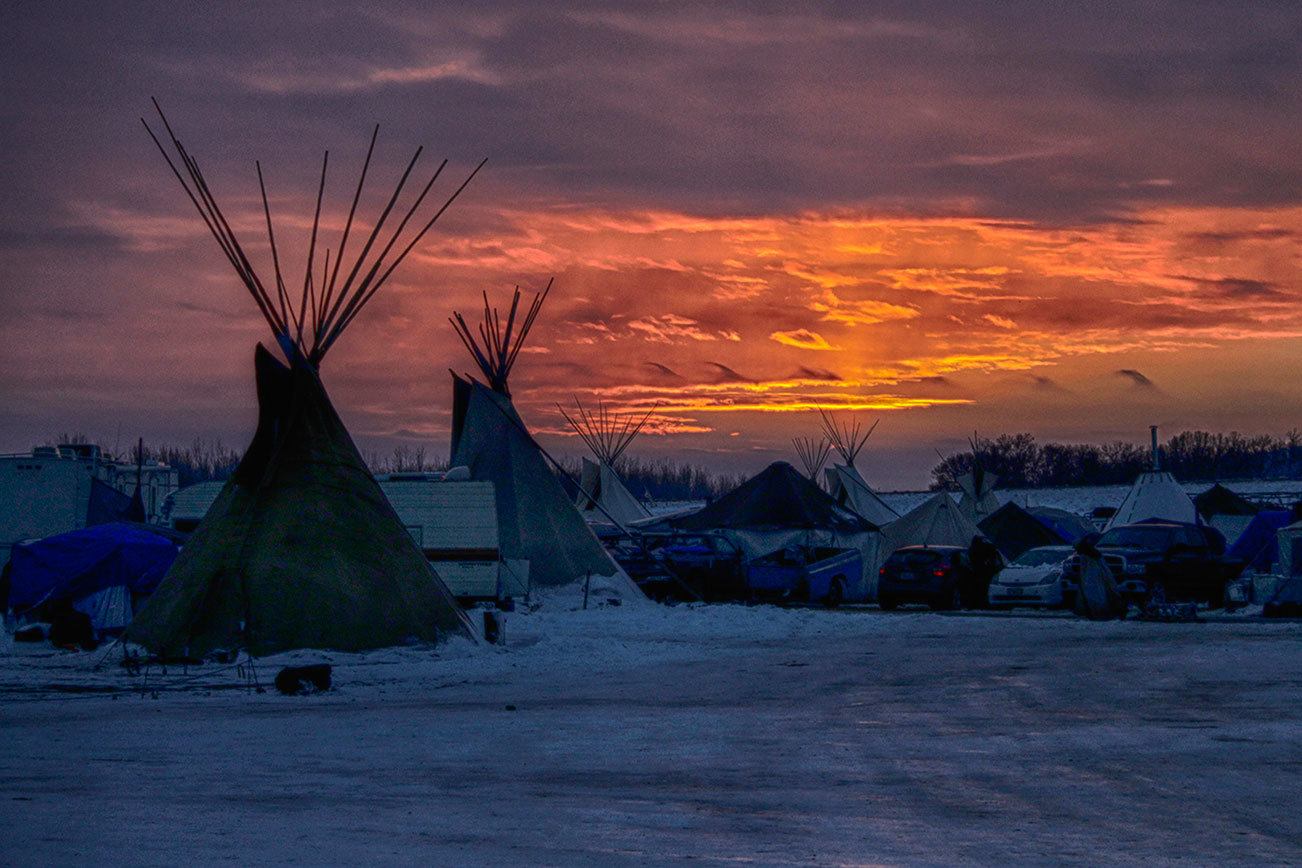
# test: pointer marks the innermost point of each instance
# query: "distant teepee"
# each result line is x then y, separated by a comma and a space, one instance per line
813, 455
844, 482
603, 497
301, 549
537, 522
1155, 494
978, 486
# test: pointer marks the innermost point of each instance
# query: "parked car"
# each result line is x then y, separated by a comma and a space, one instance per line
709, 563
1169, 559
830, 576
942, 577
1033, 579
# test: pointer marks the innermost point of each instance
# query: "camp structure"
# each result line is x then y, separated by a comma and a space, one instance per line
1228, 512
780, 507
536, 521
978, 498
301, 549
937, 521
1068, 525
844, 482
103, 571
603, 498
1014, 530
1258, 543
1154, 494
813, 455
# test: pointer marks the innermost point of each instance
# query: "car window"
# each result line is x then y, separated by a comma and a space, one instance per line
914, 559
1192, 537
1137, 536
1040, 558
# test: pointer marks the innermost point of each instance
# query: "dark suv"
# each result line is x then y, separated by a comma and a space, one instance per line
940, 576
1179, 561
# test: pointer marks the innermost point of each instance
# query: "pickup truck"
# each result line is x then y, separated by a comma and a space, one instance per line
1172, 560
802, 574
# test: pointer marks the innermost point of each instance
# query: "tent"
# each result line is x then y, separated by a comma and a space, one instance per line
1258, 545
1289, 542
1155, 494
1219, 500
127, 559
844, 482
1068, 525
536, 520
779, 507
603, 498
978, 499
813, 455
936, 522
301, 549
1013, 530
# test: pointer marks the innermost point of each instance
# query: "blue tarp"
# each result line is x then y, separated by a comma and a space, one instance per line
1258, 545
71, 565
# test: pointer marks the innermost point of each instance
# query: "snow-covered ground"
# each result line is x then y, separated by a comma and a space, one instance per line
713, 734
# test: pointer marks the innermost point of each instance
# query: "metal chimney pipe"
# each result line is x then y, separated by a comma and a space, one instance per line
1157, 456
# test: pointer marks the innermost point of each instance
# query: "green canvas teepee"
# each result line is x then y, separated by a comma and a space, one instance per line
301, 549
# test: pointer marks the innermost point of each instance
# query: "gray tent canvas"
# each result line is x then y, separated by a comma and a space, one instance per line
536, 520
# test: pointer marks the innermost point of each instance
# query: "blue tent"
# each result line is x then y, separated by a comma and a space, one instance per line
72, 565
1258, 545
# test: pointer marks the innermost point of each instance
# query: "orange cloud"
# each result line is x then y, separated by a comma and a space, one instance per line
802, 339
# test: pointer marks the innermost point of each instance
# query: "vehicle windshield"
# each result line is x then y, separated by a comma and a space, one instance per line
1040, 558
915, 559
1137, 537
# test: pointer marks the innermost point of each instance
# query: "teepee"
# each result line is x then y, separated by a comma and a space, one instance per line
938, 521
603, 498
978, 499
813, 455
1155, 494
844, 482
301, 549
536, 521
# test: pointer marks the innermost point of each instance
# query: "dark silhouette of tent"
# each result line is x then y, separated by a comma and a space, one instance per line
1013, 530
1219, 500
301, 549
778, 497
536, 520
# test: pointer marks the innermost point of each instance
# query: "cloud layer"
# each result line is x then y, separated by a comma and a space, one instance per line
950, 214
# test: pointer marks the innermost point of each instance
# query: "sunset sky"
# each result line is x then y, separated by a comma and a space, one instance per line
952, 216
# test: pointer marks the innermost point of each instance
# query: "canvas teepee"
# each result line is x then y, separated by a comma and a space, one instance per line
844, 482
537, 522
603, 498
978, 486
301, 549
936, 522
1155, 494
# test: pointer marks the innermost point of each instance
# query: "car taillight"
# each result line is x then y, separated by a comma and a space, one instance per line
939, 572
882, 571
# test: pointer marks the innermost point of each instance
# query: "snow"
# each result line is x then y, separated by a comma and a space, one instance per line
650, 734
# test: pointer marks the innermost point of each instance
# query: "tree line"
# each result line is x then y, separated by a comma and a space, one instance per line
1194, 456
205, 460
